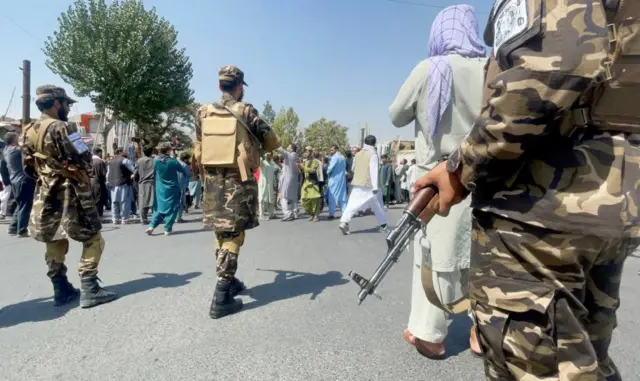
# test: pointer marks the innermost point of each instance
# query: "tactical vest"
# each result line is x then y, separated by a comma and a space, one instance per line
36, 137
611, 104
227, 141
45, 164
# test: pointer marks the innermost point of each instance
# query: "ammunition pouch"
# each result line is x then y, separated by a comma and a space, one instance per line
610, 104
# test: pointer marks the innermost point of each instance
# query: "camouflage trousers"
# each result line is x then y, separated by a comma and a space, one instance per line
229, 204
544, 301
227, 249
91, 253
64, 210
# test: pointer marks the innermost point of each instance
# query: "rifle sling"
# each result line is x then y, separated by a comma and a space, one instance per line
456, 307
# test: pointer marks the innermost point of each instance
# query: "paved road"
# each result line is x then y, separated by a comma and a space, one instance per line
301, 321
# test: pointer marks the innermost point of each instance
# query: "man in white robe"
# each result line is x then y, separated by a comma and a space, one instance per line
365, 192
266, 188
289, 182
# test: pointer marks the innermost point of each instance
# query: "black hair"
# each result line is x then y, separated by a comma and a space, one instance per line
47, 104
385, 156
119, 150
294, 147
413, 161
335, 147
184, 156
148, 151
10, 137
228, 86
97, 151
370, 140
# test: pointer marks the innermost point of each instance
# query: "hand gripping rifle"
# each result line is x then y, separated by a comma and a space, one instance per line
419, 212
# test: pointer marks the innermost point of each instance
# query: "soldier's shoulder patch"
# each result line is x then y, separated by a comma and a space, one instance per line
510, 19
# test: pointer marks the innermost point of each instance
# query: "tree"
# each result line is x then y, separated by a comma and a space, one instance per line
285, 126
177, 123
268, 114
323, 133
123, 57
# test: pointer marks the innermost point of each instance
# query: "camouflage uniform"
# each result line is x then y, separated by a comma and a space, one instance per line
556, 201
64, 206
230, 205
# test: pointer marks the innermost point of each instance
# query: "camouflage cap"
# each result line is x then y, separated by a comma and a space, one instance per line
47, 92
231, 73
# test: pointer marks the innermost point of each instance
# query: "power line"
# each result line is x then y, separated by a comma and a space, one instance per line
21, 28
433, 6
418, 4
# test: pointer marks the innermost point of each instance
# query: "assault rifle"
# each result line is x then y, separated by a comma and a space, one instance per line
419, 212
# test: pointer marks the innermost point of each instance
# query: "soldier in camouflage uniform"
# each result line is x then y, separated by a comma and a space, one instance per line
553, 166
230, 204
63, 207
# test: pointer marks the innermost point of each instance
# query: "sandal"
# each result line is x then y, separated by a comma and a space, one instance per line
408, 337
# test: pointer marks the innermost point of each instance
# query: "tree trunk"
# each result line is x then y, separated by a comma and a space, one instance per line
105, 133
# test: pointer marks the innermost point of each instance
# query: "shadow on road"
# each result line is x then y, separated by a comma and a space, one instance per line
457, 340
42, 309
289, 284
178, 232
370, 230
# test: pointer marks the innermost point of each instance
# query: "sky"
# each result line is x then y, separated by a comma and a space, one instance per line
340, 59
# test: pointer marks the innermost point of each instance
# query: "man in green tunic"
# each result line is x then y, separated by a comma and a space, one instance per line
312, 171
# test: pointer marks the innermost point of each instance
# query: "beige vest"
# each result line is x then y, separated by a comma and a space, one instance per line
361, 174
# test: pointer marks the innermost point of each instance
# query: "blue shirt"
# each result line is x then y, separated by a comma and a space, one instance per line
185, 176
13, 159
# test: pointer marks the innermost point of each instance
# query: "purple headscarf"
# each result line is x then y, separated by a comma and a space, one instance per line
454, 31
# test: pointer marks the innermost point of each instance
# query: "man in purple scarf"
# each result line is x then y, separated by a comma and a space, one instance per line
443, 96
454, 31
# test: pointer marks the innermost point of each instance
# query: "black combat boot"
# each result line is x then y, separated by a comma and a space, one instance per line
237, 287
223, 303
63, 291
92, 294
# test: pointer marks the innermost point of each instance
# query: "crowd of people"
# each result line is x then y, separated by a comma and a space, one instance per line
323, 179
157, 187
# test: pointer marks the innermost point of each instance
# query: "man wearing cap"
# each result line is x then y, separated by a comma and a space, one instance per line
63, 207
230, 191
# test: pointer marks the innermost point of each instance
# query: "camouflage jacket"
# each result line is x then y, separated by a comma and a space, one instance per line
524, 158
58, 159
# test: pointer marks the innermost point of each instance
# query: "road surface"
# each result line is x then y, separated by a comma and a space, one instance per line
301, 320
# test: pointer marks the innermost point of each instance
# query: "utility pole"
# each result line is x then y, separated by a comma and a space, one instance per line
26, 92
362, 137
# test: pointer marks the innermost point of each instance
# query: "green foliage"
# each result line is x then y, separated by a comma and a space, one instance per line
268, 113
285, 126
176, 123
123, 57
323, 133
